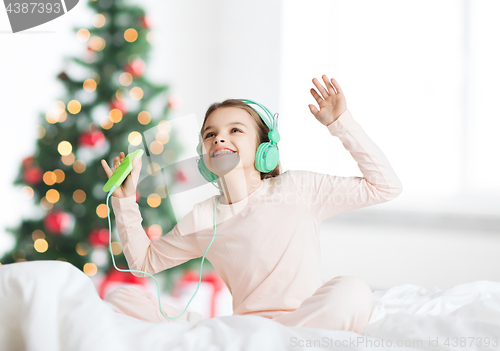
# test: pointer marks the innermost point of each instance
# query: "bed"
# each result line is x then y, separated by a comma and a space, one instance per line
52, 305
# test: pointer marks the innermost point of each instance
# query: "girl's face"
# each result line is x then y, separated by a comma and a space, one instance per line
232, 128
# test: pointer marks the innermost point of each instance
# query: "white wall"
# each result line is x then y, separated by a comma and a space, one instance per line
212, 51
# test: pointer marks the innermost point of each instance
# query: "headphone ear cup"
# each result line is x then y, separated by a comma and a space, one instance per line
267, 163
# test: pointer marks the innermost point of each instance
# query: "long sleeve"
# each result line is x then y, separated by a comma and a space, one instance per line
141, 253
327, 195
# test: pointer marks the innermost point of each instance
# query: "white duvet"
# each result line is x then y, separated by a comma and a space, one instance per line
52, 305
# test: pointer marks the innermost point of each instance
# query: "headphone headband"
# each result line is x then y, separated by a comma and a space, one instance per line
271, 121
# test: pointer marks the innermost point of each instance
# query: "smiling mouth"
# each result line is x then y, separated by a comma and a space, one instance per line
224, 154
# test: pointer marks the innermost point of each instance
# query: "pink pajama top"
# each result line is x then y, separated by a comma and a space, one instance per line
267, 246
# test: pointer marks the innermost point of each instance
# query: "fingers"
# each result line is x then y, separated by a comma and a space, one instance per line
313, 109
321, 88
119, 160
316, 96
116, 162
108, 170
331, 90
337, 86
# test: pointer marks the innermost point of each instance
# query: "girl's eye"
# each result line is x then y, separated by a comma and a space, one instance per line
206, 136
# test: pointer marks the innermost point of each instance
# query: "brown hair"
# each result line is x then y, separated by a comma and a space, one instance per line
262, 128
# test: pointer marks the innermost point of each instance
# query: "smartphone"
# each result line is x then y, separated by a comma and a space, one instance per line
122, 171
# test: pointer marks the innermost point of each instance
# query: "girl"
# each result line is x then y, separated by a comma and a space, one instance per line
267, 243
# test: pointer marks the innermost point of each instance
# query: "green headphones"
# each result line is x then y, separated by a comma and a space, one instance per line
267, 156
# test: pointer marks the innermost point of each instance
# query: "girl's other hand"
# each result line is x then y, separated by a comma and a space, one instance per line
129, 185
332, 104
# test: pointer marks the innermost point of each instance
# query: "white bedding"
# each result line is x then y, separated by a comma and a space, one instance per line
52, 305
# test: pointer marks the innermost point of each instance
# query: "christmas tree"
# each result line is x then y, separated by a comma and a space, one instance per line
109, 104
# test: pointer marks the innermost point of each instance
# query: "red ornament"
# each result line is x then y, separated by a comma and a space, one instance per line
136, 68
28, 161
153, 234
137, 196
98, 237
144, 22
32, 175
180, 176
95, 138
57, 222
118, 105
174, 102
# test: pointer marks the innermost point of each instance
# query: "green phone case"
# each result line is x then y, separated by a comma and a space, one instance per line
123, 170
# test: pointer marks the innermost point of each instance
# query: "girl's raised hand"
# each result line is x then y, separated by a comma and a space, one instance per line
129, 185
332, 104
